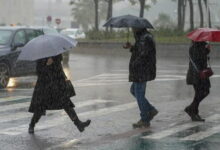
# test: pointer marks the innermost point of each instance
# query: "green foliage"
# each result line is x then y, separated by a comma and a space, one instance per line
168, 32
161, 35
100, 35
93, 35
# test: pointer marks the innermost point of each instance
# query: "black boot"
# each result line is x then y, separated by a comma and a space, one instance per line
198, 118
73, 116
81, 125
189, 111
31, 129
36, 117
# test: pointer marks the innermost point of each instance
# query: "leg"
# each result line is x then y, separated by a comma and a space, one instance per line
36, 117
200, 94
144, 105
132, 89
73, 116
193, 109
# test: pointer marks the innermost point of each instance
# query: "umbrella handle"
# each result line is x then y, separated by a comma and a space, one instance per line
128, 35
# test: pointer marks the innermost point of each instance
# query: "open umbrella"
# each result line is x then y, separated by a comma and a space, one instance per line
205, 34
46, 46
128, 21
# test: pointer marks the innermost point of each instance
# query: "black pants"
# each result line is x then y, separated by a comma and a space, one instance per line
68, 109
201, 91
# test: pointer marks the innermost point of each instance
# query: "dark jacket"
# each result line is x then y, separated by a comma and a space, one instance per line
49, 92
142, 66
199, 55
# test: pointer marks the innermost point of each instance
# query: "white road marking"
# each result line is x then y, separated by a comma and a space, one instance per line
61, 120
64, 144
173, 130
203, 134
22, 115
13, 98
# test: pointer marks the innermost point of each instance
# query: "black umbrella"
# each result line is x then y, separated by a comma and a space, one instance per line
128, 21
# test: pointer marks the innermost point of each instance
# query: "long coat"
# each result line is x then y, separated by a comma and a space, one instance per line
199, 55
142, 66
49, 92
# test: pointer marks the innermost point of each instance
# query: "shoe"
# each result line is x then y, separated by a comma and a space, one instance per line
31, 129
189, 112
198, 118
81, 125
141, 124
194, 117
152, 114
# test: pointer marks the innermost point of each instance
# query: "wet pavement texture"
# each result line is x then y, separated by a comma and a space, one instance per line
101, 82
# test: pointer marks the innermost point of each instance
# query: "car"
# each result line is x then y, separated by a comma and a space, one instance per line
74, 33
12, 39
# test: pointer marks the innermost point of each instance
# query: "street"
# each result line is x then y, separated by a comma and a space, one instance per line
100, 78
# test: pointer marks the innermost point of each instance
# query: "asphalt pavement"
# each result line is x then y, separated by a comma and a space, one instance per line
100, 78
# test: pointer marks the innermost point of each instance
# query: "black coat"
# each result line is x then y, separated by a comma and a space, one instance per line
142, 66
49, 92
199, 55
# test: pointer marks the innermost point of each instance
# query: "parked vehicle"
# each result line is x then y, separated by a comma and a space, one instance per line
74, 33
12, 39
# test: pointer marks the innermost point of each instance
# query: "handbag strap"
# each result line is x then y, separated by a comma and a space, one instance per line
209, 64
194, 65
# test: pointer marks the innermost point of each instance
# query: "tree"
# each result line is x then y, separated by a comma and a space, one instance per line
181, 13
110, 9
191, 17
201, 13
96, 2
85, 16
143, 5
164, 21
209, 14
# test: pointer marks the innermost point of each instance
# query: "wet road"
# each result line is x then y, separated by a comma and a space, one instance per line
102, 87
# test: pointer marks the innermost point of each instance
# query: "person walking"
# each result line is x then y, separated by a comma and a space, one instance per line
142, 68
198, 56
49, 93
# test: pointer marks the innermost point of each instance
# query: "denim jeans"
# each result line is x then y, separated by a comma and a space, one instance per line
138, 91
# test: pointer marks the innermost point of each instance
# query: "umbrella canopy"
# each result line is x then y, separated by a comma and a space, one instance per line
128, 21
46, 46
205, 34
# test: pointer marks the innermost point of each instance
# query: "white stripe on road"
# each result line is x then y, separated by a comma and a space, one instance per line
22, 115
13, 98
179, 128
65, 144
203, 134
59, 121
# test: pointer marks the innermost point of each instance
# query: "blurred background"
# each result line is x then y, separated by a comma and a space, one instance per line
170, 17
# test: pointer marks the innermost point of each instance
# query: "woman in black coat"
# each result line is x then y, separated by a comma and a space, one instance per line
198, 53
49, 92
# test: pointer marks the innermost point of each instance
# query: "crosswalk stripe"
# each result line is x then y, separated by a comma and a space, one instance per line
13, 98
201, 135
59, 121
179, 128
22, 115
64, 144
14, 106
